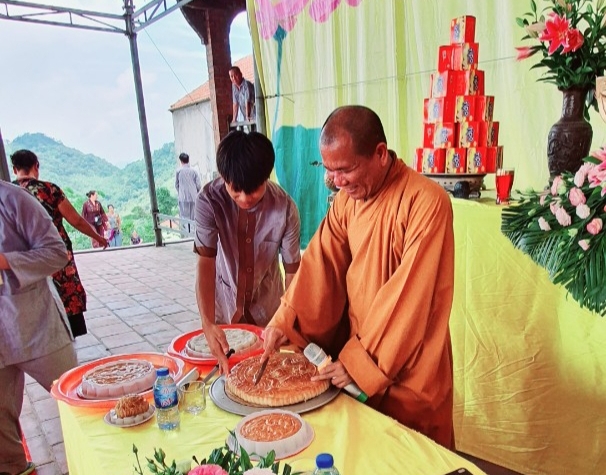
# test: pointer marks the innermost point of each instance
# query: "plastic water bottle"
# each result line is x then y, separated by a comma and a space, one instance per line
325, 465
166, 400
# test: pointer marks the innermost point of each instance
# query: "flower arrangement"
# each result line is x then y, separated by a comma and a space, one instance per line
562, 229
571, 37
221, 461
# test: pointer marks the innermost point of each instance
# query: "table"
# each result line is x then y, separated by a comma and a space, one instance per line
529, 363
361, 440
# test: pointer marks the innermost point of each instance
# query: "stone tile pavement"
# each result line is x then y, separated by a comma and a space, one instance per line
139, 299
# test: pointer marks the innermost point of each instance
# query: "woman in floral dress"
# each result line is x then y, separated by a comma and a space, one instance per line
93, 213
26, 168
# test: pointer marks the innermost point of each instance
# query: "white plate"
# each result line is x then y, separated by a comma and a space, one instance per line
221, 399
108, 420
84, 396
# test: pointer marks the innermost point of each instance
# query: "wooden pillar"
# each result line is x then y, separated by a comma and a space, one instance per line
212, 20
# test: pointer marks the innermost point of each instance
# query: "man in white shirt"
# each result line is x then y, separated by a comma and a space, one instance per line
243, 96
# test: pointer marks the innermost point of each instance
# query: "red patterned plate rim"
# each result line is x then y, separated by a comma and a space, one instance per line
66, 388
177, 346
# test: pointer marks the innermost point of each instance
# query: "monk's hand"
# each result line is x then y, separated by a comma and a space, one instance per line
336, 373
217, 343
273, 338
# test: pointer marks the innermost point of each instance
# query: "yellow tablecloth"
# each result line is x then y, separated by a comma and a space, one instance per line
530, 365
362, 441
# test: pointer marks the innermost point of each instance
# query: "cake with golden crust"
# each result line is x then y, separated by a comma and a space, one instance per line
287, 380
118, 378
130, 410
239, 339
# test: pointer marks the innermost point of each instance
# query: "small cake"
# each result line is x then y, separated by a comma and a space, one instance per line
118, 378
131, 409
238, 339
287, 380
283, 431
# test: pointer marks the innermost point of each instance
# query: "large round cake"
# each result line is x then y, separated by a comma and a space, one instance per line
287, 380
238, 339
118, 378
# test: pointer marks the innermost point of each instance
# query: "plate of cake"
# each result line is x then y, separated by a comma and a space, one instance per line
193, 347
103, 382
285, 432
286, 384
130, 411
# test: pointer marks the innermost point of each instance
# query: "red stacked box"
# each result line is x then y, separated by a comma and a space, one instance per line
459, 134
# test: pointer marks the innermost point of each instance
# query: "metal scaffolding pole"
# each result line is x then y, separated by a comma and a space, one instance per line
134, 53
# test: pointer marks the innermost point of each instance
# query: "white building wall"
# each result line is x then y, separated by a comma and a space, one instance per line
194, 135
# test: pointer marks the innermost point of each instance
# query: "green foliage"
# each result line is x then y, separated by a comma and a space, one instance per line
576, 68
77, 173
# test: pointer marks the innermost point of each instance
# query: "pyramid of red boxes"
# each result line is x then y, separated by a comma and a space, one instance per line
459, 134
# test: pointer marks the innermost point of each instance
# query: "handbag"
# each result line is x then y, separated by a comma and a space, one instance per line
97, 220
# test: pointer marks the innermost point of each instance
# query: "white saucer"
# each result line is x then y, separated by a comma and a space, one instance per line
146, 417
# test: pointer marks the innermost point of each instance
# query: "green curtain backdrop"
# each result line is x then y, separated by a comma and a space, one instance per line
380, 53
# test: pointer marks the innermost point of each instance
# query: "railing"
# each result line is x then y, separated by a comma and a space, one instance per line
186, 227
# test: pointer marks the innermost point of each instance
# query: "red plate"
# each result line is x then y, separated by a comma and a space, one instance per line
177, 347
66, 389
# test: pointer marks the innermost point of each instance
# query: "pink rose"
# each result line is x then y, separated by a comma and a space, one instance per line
594, 226
576, 197
543, 224
584, 243
563, 217
554, 206
600, 154
557, 181
207, 470
583, 211
579, 177
542, 198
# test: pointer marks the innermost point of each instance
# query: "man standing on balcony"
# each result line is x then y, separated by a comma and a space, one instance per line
243, 95
188, 184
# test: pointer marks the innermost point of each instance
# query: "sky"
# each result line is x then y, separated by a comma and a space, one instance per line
77, 86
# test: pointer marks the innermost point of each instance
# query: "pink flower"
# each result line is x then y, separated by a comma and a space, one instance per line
584, 243
543, 224
554, 206
207, 470
320, 10
574, 40
576, 197
283, 13
583, 211
557, 181
579, 177
597, 175
556, 32
594, 226
524, 52
563, 217
542, 198
600, 154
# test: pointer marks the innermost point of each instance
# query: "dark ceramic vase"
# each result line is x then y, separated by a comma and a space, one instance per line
570, 137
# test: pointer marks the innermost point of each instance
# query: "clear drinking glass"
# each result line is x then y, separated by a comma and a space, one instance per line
504, 183
192, 397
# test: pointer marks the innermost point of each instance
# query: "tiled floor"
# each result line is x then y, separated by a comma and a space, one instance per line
139, 299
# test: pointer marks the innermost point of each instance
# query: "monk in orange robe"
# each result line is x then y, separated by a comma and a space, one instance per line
375, 285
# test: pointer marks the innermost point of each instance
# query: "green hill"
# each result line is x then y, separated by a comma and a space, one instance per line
126, 188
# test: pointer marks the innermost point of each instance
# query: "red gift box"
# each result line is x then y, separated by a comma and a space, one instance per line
434, 160
484, 108
494, 159
489, 134
438, 109
473, 82
463, 29
465, 56
477, 160
417, 163
444, 135
445, 58
428, 133
465, 108
449, 83
469, 134
456, 160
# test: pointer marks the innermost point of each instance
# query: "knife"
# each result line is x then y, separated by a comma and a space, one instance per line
216, 368
257, 377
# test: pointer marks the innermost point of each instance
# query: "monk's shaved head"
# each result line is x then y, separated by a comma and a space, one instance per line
360, 123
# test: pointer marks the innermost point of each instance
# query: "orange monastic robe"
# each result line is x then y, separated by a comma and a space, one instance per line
375, 288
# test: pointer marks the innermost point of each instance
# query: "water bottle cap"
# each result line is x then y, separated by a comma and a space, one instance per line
324, 461
162, 372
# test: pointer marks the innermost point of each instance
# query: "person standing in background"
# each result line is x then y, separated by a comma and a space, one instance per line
115, 227
187, 184
34, 338
27, 170
93, 213
243, 96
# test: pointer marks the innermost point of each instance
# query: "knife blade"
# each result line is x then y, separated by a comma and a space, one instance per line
216, 367
257, 377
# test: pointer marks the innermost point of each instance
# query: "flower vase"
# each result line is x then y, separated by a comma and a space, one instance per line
570, 137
